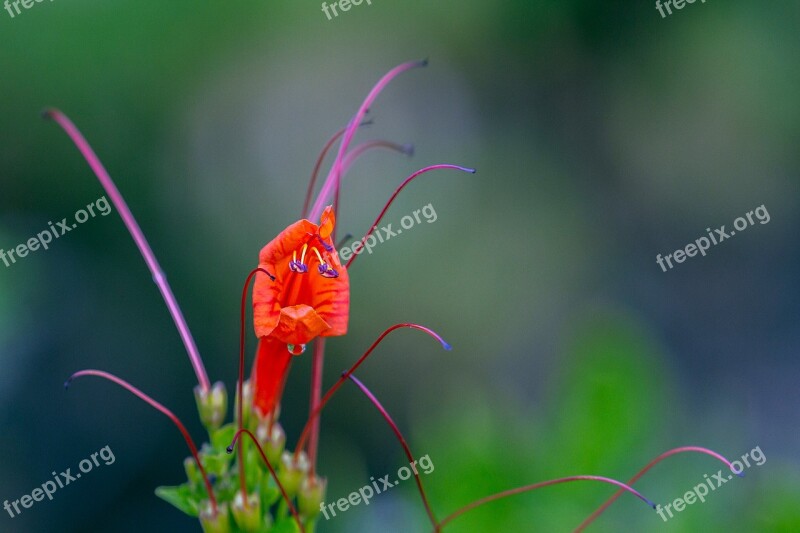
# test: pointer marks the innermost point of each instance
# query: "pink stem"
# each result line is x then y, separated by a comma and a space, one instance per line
336, 170
325, 399
539, 485
169, 414
138, 237
271, 471
403, 443
318, 164
400, 188
643, 471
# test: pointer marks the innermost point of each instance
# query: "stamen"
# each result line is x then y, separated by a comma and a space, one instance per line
169, 414
539, 485
644, 470
403, 443
303, 255
138, 237
400, 188
304, 435
271, 471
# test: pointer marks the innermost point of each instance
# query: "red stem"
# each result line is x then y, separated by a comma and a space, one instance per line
271, 471
240, 385
535, 486
169, 414
325, 399
400, 188
643, 471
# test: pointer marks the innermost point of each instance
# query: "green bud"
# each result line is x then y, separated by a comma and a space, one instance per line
247, 518
311, 496
192, 472
274, 444
291, 473
247, 391
219, 523
212, 405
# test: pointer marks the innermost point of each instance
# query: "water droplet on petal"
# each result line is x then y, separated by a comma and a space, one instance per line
296, 349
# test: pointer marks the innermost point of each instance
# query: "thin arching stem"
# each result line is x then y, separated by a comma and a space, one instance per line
408, 180
240, 384
156, 405
403, 443
271, 471
644, 470
325, 399
138, 237
528, 488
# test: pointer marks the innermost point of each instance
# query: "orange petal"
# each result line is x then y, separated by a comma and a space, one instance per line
326, 222
299, 324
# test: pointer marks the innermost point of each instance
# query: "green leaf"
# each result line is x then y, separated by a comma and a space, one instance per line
223, 437
181, 497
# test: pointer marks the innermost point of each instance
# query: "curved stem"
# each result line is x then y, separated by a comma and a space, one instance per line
644, 470
400, 188
240, 385
403, 443
138, 237
169, 414
271, 471
325, 399
528, 488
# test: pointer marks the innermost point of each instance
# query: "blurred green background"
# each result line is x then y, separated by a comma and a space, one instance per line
603, 135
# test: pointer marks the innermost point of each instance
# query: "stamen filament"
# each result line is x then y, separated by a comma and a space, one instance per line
644, 470
402, 441
138, 237
169, 414
325, 399
400, 188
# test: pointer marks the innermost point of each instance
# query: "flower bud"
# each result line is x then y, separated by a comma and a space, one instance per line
212, 405
311, 496
247, 392
247, 518
219, 523
274, 444
291, 472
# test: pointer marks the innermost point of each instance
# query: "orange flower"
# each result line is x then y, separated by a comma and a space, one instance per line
302, 303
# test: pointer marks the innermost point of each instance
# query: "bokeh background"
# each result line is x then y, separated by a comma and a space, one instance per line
603, 135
